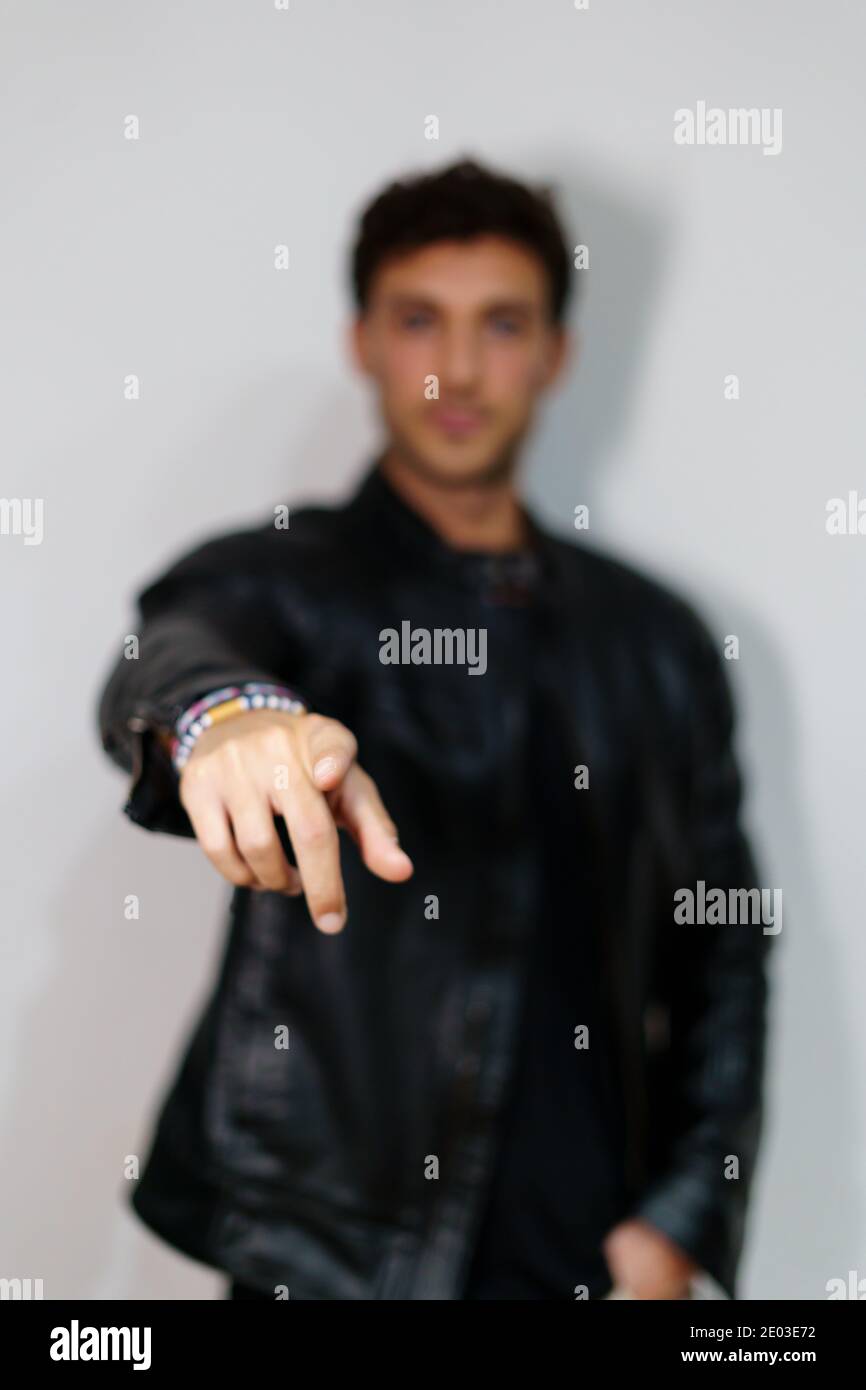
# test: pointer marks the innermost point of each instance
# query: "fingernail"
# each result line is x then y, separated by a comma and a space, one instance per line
331, 922
325, 767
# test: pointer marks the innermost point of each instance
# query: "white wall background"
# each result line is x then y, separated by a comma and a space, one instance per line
156, 257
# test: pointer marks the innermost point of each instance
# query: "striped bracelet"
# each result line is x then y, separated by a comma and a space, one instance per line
222, 704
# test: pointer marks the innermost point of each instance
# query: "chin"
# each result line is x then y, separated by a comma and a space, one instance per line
459, 464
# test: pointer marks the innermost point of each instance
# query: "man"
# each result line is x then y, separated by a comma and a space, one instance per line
483, 1060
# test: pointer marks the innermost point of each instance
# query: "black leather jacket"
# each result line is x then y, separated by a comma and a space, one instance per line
307, 1166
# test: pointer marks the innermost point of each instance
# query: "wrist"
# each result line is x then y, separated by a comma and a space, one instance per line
226, 703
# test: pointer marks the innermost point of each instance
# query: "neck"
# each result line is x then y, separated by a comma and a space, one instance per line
480, 516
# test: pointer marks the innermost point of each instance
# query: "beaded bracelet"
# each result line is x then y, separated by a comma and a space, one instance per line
222, 704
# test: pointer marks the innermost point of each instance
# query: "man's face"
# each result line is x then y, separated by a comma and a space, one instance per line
473, 315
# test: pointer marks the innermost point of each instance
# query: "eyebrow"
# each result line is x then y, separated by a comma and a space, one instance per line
521, 307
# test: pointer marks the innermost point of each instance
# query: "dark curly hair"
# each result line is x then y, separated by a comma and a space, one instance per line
463, 201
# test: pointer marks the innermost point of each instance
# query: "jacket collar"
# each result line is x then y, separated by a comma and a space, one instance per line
502, 577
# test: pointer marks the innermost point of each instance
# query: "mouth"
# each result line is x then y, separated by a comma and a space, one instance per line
457, 422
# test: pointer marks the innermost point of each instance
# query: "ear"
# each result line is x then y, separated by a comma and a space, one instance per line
561, 352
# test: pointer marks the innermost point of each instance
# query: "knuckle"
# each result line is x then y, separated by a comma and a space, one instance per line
239, 876
316, 833
314, 723
192, 776
325, 730
275, 742
339, 731
256, 844
214, 846
232, 756
271, 880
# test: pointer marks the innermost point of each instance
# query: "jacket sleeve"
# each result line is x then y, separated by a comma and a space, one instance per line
210, 620
714, 976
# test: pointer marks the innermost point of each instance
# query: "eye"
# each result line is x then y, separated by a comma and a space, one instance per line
505, 326
416, 318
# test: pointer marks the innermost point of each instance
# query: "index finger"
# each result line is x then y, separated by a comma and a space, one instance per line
316, 844
361, 809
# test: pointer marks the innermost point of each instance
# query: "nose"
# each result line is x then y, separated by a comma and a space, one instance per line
460, 365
